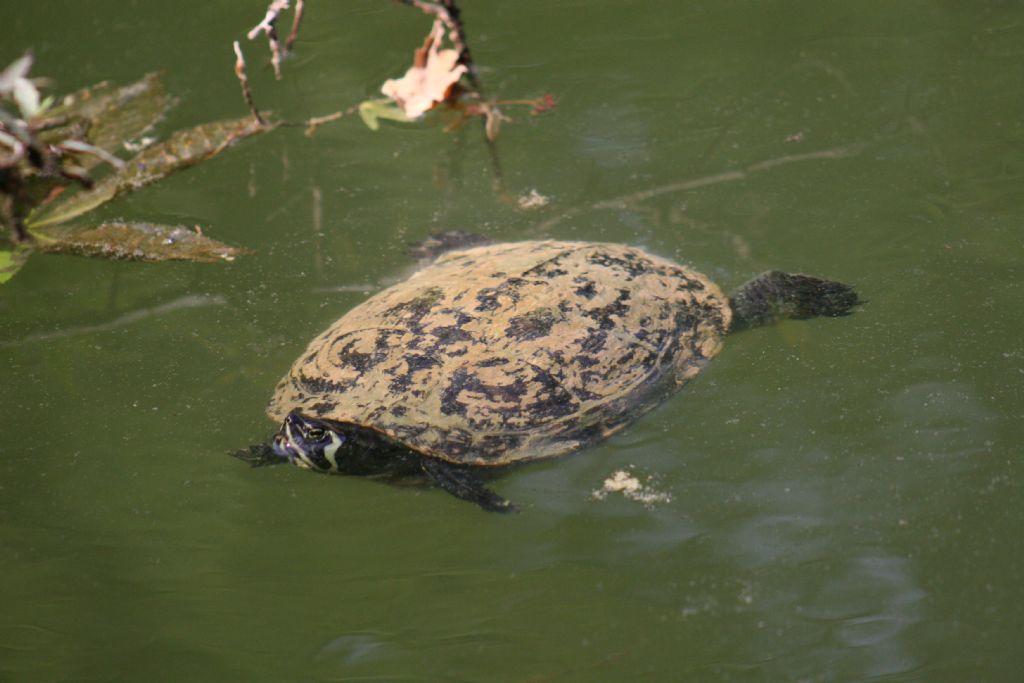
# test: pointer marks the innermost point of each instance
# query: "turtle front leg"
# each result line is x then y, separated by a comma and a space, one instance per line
259, 455
463, 483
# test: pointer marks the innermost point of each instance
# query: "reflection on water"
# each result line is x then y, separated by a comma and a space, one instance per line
946, 420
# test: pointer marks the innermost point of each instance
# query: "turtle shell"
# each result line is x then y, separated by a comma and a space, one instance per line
512, 352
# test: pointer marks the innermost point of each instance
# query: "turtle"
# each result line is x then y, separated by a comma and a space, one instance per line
506, 353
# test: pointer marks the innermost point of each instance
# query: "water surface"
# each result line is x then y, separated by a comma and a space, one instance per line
845, 494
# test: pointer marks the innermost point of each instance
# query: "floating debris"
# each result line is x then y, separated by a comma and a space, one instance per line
126, 241
630, 486
533, 200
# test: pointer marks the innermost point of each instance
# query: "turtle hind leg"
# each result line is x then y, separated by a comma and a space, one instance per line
775, 295
463, 483
425, 251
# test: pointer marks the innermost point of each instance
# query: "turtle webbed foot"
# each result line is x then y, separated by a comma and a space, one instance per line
462, 483
259, 455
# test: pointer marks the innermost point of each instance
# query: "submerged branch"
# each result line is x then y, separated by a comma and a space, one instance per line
189, 301
626, 200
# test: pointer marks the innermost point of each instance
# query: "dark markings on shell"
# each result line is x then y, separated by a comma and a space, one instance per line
594, 341
627, 262
320, 385
414, 363
587, 289
321, 408
360, 362
465, 381
550, 268
490, 298
531, 325
552, 401
606, 315
512, 352
494, 446
410, 313
449, 334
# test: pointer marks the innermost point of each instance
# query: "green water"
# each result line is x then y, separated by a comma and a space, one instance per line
845, 494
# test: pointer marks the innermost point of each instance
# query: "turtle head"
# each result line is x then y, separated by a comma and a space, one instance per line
309, 443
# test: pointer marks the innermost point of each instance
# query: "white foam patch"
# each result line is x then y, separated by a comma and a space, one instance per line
630, 486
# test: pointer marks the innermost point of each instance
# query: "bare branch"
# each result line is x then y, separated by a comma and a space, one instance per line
317, 121
296, 20
269, 26
244, 81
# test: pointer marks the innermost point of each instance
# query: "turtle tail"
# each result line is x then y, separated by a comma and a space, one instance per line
773, 296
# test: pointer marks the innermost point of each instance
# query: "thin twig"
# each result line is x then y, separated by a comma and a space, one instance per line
269, 26
317, 121
244, 81
275, 51
276, 7
296, 20
462, 44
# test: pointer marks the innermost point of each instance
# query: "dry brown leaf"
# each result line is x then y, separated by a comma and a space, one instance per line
430, 79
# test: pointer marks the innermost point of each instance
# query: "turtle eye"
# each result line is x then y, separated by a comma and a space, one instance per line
315, 434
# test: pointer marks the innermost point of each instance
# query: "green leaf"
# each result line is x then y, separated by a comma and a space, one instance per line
371, 111
27, 97
77, 204
136, 242
11, 262
183, 149
16, 71
111, 116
